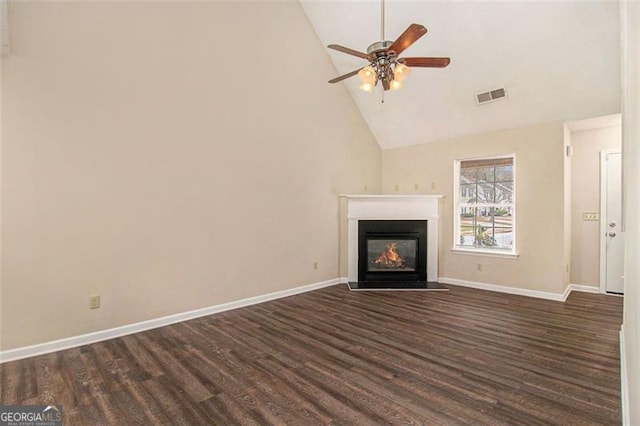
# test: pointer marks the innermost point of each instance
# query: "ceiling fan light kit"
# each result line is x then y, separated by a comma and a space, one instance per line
401, 72
367, 75
384, 64
367, 87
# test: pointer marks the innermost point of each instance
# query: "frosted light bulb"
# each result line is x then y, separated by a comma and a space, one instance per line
401, 72
366, 87
395, 85
367, 75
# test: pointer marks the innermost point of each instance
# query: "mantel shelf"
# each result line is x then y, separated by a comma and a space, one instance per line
392, 196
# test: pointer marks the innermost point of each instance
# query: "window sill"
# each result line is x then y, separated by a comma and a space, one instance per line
485, 253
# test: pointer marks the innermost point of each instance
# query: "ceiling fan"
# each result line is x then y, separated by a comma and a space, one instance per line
384, 64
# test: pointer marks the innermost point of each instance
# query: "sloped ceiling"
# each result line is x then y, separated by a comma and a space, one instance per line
557, 61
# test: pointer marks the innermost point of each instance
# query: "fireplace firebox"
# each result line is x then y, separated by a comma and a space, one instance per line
392, 250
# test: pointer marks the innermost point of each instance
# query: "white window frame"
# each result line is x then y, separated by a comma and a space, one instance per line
498, 252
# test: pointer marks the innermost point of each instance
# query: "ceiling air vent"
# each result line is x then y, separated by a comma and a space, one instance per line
490, 96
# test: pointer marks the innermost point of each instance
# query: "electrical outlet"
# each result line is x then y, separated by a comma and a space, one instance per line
416, 186
397, 188
94, 301
433, 186
315, 265
479, 267
589, 216
366, 188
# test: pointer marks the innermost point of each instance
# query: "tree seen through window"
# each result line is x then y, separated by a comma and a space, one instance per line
486, 204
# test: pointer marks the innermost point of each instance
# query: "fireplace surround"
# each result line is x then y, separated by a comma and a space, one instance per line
392, 250
420, 209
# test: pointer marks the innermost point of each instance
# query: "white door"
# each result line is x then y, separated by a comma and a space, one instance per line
612, 221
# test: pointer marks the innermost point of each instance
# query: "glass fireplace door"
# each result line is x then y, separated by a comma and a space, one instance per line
391, 254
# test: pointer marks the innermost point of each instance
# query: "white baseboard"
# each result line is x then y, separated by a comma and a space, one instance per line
98, 336
624, 386
584, 288
504, 289
560, 297
567, 292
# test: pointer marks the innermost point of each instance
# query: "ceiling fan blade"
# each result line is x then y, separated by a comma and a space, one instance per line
425, 62
407, 38
348, 51
344, 76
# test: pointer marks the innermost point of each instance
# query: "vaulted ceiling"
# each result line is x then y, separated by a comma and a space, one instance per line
557, 61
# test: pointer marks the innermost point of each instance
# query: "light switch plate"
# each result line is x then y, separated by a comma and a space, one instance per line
591, 216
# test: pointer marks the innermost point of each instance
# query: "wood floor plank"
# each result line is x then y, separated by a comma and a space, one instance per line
337, 357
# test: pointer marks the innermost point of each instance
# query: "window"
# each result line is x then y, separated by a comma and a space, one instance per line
485, 205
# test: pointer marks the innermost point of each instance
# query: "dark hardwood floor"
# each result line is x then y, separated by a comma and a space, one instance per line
332, 356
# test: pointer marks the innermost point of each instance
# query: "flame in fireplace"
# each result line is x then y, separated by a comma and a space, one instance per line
390, 257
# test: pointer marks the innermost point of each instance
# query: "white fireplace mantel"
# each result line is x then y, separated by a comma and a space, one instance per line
392, 207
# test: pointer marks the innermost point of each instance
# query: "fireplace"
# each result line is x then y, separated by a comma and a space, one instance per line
392, 250
390, 242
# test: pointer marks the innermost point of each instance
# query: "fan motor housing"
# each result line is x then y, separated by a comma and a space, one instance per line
379, 47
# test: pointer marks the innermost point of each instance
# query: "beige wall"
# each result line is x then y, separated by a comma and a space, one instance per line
1, 226
631, 181
566, 209
585, 197
167, 156
540, 202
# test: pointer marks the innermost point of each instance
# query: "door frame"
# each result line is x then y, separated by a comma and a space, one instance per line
603, 216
